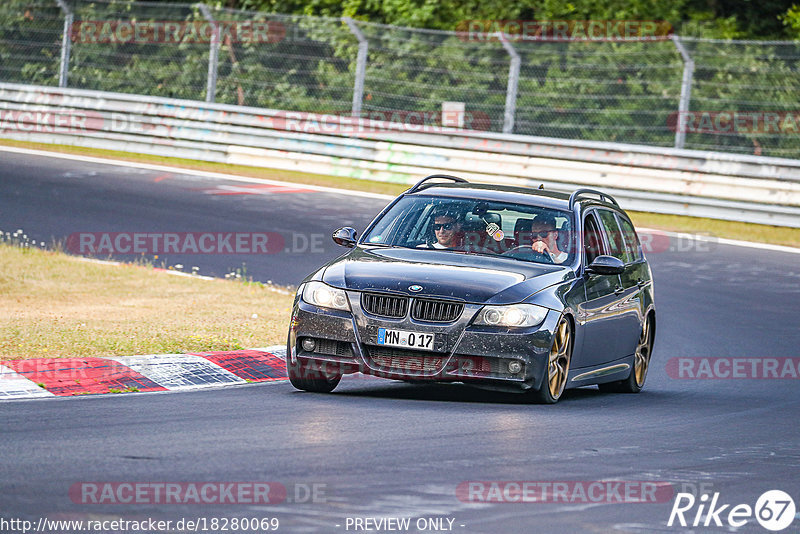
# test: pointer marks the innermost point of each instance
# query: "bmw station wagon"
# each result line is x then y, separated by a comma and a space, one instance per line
501, 287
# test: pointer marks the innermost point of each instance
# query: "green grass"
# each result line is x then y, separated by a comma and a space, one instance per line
731, 230
129, 389
58, 306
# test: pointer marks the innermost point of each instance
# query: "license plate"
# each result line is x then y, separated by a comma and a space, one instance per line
402, 338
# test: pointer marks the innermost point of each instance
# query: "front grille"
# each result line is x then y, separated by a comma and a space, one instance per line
478, 366
440, 311
384, 305
333, 347
405, 361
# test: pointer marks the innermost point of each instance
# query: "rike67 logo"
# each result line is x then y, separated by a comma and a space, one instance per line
774, 510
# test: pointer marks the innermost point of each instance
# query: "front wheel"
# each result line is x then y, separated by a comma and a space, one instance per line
557, 364
311, 376
641, 363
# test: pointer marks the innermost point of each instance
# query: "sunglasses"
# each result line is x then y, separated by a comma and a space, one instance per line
445, 226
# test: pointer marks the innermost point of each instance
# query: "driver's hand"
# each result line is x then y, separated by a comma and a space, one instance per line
541, 247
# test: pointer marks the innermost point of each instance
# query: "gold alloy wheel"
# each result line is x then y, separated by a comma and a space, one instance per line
642, 357
558, 363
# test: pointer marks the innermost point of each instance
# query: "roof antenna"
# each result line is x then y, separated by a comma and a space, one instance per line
541, 186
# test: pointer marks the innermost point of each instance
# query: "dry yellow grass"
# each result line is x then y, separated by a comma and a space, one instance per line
759, 233
54, 305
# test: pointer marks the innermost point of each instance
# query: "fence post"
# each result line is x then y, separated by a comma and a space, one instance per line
686, 92
361, 65
66, 43
513, 83
213, 54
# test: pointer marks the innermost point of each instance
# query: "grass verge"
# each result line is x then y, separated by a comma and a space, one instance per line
776, 235
58, 306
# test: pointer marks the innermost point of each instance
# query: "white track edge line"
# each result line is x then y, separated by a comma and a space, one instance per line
233, 177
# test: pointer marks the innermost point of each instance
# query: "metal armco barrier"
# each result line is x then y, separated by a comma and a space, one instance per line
684, 182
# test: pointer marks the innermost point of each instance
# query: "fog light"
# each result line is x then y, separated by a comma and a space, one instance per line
308, 344
514, 367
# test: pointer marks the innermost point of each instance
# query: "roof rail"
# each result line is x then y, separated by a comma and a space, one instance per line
419, 184
605, 197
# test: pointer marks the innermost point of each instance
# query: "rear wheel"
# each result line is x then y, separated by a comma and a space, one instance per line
557, 364
311, 376
641, 363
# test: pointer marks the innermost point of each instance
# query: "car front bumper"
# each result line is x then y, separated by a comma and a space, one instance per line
346, 342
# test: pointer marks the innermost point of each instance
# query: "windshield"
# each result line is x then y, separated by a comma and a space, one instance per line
519, 231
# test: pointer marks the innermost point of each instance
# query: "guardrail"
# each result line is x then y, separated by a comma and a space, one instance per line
686, 182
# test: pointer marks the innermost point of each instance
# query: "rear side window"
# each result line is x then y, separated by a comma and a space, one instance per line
633, 249
613, 235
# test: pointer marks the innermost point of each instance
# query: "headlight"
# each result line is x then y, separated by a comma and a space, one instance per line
325, 296
514, 315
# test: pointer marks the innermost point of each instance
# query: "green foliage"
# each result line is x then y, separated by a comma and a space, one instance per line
791, 19
609, 91
701, 18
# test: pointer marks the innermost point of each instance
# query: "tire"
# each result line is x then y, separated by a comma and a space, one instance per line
641, 363
554, 384
306, 377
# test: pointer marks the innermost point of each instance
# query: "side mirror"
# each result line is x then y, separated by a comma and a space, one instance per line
345, 237
606, 265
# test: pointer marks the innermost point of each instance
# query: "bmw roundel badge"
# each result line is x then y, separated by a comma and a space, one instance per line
415, 288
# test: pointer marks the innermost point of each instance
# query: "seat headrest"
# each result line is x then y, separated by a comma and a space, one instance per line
522, 227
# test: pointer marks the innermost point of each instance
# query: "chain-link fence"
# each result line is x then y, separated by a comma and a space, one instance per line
733, 96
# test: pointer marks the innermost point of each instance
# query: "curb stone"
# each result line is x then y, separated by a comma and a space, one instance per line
63, 377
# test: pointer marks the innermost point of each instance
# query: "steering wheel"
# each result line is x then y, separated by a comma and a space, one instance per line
526, 252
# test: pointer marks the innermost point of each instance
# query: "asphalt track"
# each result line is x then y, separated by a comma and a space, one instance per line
389, 449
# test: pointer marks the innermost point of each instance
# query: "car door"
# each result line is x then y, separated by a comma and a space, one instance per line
628, 315
635, 279
599, 313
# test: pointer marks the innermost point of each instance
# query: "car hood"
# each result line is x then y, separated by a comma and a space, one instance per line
469, 277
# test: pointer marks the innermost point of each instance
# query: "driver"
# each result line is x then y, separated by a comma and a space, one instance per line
447, 229
545, 238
